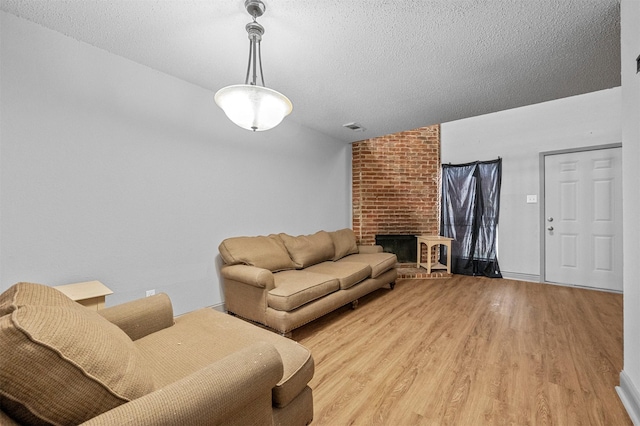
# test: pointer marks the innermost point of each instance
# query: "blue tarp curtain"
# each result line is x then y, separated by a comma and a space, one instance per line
470, 211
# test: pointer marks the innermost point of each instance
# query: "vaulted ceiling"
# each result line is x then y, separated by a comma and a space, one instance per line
389, 65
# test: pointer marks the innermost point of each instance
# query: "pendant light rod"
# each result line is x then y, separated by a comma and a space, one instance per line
255, 8
255, 32
260, 62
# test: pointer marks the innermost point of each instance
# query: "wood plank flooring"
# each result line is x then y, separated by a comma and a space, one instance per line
469, 351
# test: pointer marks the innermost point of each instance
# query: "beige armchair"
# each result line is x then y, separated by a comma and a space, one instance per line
135, 364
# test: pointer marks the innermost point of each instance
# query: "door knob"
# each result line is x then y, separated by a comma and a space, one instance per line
550, 228
550, 219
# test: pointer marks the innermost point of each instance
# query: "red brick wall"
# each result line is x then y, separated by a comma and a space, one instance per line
396, 184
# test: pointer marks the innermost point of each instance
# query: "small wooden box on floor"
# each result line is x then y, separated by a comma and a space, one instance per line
90, 293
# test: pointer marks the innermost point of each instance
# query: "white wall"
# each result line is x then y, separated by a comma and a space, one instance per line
630, 376
116, 172
518, 136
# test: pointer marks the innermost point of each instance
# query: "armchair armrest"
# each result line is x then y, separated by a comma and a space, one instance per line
141, 317
370, 249
236, 389
257, 277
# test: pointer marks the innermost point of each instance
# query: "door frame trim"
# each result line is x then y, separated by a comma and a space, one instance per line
542, 155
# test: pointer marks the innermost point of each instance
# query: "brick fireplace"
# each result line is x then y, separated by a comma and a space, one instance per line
395, 184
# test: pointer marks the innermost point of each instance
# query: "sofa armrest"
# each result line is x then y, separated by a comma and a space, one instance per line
141, 317
236, 389
257, 277
370, 249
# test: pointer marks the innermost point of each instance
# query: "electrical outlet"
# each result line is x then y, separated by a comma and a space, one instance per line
151, 292
532, 199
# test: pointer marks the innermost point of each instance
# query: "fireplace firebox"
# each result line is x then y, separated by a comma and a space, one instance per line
403, 246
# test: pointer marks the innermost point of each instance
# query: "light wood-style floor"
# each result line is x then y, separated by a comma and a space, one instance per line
469, 351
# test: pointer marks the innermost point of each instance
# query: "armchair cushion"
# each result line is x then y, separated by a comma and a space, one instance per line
22, 294
264, 252
67, 354
186, 347
233, 387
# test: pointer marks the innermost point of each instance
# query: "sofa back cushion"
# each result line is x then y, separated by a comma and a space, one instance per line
344, 242
307, 250
63, 363
263, 252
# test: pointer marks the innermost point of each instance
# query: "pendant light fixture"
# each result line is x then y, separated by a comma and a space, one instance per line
249, 105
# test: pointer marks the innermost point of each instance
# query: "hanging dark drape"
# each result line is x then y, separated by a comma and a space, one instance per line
470, 210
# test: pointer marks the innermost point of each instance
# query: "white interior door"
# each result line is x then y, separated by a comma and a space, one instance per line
583, 218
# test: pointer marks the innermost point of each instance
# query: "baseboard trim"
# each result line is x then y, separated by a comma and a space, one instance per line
219, 307
630, 397
520, 277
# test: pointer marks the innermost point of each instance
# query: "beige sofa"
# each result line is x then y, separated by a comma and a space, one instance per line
284, 282
135, 364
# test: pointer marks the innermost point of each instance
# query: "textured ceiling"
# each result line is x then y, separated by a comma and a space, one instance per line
390, 65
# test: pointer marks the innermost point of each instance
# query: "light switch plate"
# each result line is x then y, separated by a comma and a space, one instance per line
532, 199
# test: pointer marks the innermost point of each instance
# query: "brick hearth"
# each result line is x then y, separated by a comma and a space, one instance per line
409, 271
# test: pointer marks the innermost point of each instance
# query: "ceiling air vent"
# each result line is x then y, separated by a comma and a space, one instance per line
354, 126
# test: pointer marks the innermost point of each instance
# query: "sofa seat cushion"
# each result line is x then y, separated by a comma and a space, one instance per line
67, 364
307, 250
204, 336
296, 288
347, 273
379, 262
264, 252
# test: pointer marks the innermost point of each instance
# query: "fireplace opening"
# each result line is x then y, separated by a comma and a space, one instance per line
403, 246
